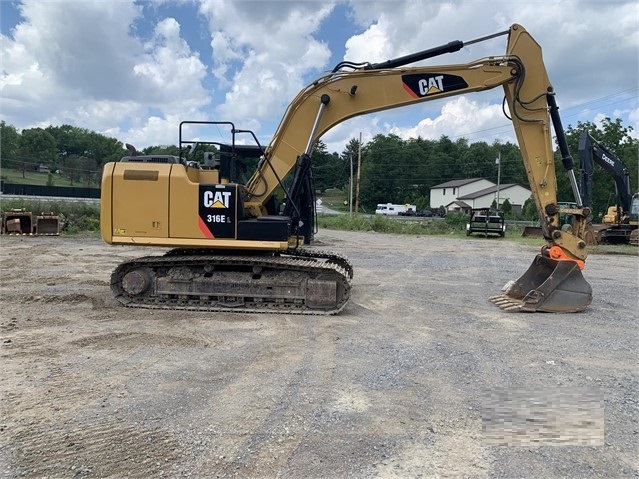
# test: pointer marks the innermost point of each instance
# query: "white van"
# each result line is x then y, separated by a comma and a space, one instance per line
390, 209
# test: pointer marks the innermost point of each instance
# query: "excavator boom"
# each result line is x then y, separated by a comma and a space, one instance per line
208, 209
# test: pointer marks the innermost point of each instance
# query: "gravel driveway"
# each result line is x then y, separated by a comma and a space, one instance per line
419, 376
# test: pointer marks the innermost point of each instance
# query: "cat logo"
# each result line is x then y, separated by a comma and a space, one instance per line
217, 199
428, 86
421, 85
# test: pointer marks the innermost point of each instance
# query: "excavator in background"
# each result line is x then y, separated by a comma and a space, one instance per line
621, 220
234, 248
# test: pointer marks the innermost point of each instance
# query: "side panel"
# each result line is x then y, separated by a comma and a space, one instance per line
140, 199
183, 202
106, 225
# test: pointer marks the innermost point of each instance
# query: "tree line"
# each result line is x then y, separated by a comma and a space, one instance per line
75, 153
393, 169
403, 171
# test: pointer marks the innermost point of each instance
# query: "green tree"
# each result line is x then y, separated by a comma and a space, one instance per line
103, 149
37, 146
506, 207
74, 168
349, 155
9, 145
81, 142
476, 161
511, 165
529, 210
161, 150
328, 168
384, 175
70, 140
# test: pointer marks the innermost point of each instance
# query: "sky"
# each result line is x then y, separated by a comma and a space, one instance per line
134, 70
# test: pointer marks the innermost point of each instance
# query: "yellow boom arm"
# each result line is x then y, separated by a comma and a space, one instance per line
341, 95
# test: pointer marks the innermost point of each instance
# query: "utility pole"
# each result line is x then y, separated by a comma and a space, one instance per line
498, 177
359, 168
350, 194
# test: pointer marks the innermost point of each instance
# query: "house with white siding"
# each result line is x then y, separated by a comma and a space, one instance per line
464, 195
446, 193
515, 194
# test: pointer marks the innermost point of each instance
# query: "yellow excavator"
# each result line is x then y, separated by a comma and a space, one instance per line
234, 247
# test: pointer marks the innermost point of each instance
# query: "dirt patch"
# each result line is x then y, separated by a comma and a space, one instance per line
413, 379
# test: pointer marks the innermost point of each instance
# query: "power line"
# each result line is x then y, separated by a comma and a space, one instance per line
579, 106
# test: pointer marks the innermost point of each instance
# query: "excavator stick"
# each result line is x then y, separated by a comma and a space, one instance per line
551, 286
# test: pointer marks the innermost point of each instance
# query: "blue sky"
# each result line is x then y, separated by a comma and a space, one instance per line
134, 70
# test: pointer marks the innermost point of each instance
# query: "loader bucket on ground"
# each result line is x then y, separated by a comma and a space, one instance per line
533, 231
48, 225
17, 222
548, 286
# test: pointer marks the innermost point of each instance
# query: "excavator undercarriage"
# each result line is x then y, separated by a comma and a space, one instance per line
300, 281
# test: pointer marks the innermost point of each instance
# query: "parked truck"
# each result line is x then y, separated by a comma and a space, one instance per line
486, 221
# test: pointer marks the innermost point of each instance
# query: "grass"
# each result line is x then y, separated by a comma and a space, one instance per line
10, 175
451, 226
75, 217
79, 217
334, 199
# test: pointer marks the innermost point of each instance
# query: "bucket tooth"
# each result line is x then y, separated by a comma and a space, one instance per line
547, 286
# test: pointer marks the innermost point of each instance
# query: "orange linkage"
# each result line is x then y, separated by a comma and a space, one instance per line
555, 252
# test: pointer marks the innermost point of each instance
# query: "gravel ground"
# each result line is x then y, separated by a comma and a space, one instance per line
419, 376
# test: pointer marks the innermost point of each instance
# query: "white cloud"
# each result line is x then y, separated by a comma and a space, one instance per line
584, 42
131, 69
78, 63
633, 116
462, 117
591, 51
276, 46
171, 70
456, 118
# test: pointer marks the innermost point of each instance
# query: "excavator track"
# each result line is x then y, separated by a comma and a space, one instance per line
298, 281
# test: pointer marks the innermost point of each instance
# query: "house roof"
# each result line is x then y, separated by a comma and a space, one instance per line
488, 191
456, 183
461, 204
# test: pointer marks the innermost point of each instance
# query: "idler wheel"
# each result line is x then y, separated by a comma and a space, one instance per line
136, 281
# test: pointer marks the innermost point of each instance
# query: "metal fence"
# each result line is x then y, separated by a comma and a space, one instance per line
55, 191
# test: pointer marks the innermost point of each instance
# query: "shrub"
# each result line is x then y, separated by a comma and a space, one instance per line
74, 216
456, 220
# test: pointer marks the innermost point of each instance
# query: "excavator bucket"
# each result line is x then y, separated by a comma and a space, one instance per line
17, 222
48, 224
548, 286
532, 231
